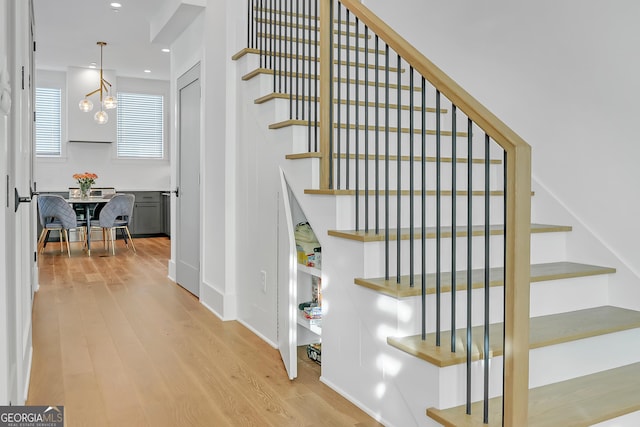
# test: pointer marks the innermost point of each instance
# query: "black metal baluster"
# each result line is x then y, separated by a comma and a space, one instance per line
280, 46
454, 199
339, 104
366, 129
250, 23
303, 43
260, 33
331, 125
469, 255
271, 28
386, 162
423, 237
411, 172
272, 43
438, 219
487, 234
348, 104
290, 70
357, 127
398, 172
311, 78
297, 42
377, 136
315, 91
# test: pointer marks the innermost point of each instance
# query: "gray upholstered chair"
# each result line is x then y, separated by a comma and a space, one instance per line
117, 214
56, 214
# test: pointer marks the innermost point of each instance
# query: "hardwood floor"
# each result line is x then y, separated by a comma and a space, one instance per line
119, 344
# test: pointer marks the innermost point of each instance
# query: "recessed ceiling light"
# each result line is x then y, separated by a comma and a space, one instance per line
92, 65
147, 71
116, 5
165, 50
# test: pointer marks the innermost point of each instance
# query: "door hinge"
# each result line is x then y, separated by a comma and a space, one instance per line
34, 116
35, 256
23, 77
34, 45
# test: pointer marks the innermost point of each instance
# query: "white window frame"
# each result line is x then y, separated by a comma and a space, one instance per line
140, 123
53, 122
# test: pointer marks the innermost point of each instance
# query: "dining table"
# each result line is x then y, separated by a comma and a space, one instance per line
88, 203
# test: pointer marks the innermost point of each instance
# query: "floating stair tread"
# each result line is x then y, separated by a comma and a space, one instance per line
578, 402
477, 230
544, 331
539, 273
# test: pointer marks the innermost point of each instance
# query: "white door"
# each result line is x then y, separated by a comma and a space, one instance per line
188, 182
7, 384
287, 283
16, 142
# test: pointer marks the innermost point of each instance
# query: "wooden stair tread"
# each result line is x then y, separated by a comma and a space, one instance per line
461, 231
370, 128
578, 402
539, 273
544, 331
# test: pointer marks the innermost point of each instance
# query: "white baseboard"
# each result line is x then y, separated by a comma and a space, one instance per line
265, 339
27, 379
356, 402
172, 270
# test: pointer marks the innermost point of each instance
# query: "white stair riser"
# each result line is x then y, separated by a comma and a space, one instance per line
375, 254
349, 169
496, 215
547, 365
550, 297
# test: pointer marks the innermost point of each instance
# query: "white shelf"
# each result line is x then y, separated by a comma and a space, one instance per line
310, 270
314, 325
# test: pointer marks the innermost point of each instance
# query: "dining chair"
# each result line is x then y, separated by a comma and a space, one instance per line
117, 214
56, 214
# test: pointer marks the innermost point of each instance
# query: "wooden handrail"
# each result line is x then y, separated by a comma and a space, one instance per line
518, 205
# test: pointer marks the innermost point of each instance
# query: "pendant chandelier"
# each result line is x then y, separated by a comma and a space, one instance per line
107, 101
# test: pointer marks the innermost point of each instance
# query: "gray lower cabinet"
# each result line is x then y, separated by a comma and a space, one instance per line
147, 214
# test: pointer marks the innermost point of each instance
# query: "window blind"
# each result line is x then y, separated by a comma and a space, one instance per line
140, 126
48, 128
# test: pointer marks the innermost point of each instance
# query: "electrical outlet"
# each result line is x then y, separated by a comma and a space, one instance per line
263, 280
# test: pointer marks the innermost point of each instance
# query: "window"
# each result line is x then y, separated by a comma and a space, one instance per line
48, 128
140, 126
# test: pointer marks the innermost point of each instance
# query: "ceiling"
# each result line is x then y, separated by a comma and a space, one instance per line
67, 32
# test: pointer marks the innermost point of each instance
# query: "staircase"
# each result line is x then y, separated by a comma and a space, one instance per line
383, 347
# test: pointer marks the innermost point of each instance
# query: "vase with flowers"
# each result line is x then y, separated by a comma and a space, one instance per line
85, 181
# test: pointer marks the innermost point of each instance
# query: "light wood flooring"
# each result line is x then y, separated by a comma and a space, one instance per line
119, 344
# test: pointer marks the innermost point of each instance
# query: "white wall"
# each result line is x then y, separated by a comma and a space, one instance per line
563, 76
55, 174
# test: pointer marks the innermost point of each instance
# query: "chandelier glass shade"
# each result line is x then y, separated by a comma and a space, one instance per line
107, 101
